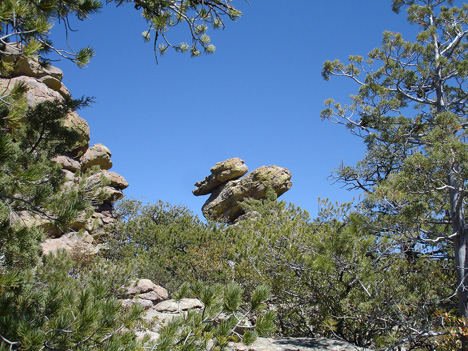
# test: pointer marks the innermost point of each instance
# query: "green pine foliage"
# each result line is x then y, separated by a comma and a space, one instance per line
170, 244
64, 305
30, 183
410, 110
332, 277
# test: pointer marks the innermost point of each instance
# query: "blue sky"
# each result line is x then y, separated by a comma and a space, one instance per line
258, 97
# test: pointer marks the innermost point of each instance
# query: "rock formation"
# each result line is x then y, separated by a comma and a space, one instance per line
228, 191
80, 164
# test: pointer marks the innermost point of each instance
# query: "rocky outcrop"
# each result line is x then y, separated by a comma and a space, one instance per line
227, 193
81, 165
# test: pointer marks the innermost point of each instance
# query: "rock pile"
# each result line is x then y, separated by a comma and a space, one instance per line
228, 191
80, 163
159, 309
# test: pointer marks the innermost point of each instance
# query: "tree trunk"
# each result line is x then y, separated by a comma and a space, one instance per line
460, 243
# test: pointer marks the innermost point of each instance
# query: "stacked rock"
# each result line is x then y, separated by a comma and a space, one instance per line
80, 163
228, 191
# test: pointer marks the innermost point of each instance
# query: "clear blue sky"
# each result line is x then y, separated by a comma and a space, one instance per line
258, 97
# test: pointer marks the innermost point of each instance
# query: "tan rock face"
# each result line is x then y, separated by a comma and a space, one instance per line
224, 203
68, 242
98, 155
79, 125
45, 84
67, 163
221, 173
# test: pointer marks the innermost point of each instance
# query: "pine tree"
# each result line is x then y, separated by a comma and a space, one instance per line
410, 110
332, 277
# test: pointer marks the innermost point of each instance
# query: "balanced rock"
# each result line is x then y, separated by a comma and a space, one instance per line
227, 191
221, 173
224, 202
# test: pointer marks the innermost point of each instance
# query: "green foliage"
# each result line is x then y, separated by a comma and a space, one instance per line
410, 110
332, 277
64, 305
30, 183
170, 244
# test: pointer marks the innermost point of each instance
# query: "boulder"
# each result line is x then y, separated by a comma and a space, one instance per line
37, 91
172, 306
115, 180
77, 124
224, 202
144, 286
98, 155
142, 302
221, 173
67, 163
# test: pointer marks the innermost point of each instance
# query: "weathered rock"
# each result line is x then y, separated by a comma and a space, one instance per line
224, 202
52, 83
172, 306
78, 125
130, 302
145, 285
37, 91
156, 295
28, 66
67, 163
68, 242
112, 194
115, 180
296, 344
98, 155
221, 173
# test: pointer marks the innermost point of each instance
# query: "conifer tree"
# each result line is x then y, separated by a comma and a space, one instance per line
332, 277
411, 111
